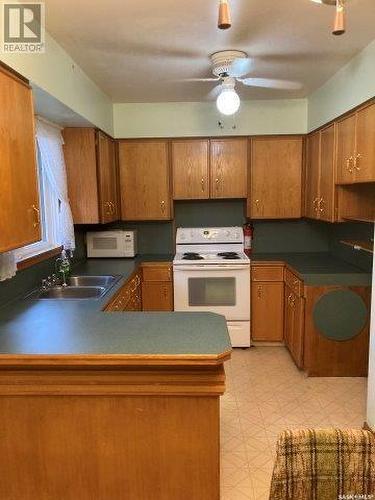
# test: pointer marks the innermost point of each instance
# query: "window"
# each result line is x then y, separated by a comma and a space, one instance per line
49, 214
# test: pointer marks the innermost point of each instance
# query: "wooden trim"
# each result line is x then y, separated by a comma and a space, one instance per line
115, 360
144, 381
35, 259
14, 74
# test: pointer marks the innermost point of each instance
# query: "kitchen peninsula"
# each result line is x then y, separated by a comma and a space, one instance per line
109, 405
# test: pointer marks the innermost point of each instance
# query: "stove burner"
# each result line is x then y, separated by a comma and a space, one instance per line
192, 256
229, 255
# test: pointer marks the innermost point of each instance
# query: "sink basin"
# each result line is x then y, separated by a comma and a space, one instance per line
73, 292
104, 281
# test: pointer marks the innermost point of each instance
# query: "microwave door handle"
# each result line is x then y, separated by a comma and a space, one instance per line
211, 268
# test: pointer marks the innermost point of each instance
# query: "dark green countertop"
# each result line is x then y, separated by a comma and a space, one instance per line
53, 327
319, 268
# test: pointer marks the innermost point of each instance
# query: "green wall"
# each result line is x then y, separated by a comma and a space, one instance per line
350, 86
58, 74
178, 119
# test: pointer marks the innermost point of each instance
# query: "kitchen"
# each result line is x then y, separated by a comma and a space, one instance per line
159, 185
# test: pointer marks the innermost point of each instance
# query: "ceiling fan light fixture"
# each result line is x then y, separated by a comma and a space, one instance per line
224, 21
228, 101
339, 23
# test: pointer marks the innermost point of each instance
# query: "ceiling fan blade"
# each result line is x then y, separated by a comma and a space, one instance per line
240, 67
213, 93
271, 83
198, 80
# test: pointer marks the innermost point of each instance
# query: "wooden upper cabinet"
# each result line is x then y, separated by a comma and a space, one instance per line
144, 180
365, 145
327, 192
107, 174
356, 147
19, 199
276, 178
91, 173
320, 182
312, 175
229, 164
346, 149
190, 164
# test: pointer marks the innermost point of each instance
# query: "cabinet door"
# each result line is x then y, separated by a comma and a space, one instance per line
364, 166
19, 199
157, 296
276, 178
190, 169
294, 325
326, 205
80, 159
346, 149
267, 311
144, 180
107, 177
288, 318
297, 304
228, 161
312, 175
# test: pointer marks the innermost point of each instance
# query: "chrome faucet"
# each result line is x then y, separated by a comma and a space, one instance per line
63, 267
49, 282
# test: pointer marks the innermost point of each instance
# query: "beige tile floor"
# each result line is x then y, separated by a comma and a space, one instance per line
266, 394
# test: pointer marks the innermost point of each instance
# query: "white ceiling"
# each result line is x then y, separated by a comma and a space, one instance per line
135, 50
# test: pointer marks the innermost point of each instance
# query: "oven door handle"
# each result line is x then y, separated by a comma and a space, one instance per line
211, 268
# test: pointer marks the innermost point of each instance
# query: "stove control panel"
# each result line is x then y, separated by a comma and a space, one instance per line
209, 235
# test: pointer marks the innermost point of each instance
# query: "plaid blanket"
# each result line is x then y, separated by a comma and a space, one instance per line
325, 464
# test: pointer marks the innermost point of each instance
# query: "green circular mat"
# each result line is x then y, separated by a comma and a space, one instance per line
340, 315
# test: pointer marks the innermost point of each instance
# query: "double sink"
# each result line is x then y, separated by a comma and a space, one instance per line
80, 287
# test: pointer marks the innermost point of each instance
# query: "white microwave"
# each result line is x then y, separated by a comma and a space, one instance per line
119, 243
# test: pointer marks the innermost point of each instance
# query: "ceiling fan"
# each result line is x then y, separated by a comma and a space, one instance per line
229, 67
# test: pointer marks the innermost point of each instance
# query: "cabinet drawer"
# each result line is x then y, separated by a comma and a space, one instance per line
157, 273
294, 283
267, 273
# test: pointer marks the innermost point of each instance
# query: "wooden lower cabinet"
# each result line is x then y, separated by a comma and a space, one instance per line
267, 311
324, 356
111, 427
157, 296
294, 311
129, 297
157, 287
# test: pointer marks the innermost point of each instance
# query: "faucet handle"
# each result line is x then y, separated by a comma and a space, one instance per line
44, 284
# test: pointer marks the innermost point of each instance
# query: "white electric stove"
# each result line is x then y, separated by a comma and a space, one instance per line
211, 272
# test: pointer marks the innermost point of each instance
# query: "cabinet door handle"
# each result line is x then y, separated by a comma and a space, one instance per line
315, 204
108, 208
162, 206
321, 205
217, 180
202, 184
260, 290
349, 161
356, 159
37, 216
113, 207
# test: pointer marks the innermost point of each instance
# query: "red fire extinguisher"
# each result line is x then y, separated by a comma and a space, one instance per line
248, 231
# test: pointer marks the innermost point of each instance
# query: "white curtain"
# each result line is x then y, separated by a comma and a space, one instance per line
50, 143
8, 265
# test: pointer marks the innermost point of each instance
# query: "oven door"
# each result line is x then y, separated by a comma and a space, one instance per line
223, 289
